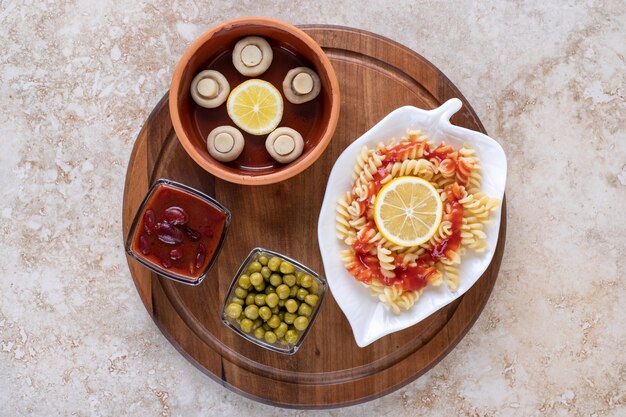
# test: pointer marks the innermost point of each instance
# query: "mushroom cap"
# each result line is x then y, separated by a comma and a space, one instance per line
225, 143
252, 56
200, 85
208, 88
299, 80
284, 144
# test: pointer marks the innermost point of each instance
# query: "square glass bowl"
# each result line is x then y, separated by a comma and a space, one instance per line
178, 232
317, 283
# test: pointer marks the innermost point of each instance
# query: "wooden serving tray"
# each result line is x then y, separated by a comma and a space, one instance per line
376, 76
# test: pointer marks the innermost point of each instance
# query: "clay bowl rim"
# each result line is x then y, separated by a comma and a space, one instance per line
215, 167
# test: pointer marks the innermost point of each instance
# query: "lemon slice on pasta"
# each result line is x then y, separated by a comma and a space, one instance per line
407, 211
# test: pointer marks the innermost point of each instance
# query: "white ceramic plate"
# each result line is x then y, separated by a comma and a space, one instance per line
369, 318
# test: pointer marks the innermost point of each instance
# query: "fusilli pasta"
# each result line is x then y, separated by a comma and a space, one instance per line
397, 275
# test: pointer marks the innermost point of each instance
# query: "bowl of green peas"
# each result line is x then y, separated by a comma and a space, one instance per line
273, 301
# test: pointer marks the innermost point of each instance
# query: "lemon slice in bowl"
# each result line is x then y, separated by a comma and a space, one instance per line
255, 106
407, 211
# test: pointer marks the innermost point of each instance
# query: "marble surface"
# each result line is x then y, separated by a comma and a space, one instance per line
77, 79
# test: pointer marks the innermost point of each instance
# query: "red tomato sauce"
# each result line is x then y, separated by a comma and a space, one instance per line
178, 231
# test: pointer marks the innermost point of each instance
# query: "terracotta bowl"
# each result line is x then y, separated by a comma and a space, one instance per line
213, 50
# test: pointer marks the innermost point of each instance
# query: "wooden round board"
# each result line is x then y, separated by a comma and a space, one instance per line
376, 76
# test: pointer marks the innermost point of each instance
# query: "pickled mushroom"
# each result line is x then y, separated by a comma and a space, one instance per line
301, 84
209, 89
225, 143
284, 144
252, 56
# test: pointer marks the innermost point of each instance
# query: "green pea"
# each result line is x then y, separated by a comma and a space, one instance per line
233, 310
305, 310
286, 268
274, 263
259, 333
281, 303
315, 287
266, 327
271, 300
274, 321
306, 281
251, 312
254, 267
291, 305
270, 337
275, 310
289, 279
257, 323
259, 299
302, 293
311, 300
300, 323
283, 291
281, 330
262, 260
265, 313
246, 325
291, 336
265, 272
250, 299
240, 292
289, 317
260, 287
276, 280
269, 289
244, 281
299, 275
256, 278
237, 300
293, 291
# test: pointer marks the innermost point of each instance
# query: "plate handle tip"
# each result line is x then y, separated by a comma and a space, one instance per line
447, 109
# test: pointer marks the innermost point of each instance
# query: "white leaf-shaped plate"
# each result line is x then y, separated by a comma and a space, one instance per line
369, 318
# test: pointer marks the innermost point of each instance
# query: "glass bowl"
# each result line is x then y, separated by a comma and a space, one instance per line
181, 247
300, 270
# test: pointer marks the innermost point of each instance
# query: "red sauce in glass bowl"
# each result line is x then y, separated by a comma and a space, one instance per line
178, 232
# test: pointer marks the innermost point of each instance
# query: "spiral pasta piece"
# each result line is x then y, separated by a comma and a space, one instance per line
386, 261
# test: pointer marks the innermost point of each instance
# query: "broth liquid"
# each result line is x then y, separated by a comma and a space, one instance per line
300, 117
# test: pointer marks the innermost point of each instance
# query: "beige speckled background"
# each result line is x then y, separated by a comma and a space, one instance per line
77, 79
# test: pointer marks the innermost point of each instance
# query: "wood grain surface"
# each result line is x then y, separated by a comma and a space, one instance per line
376, 76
